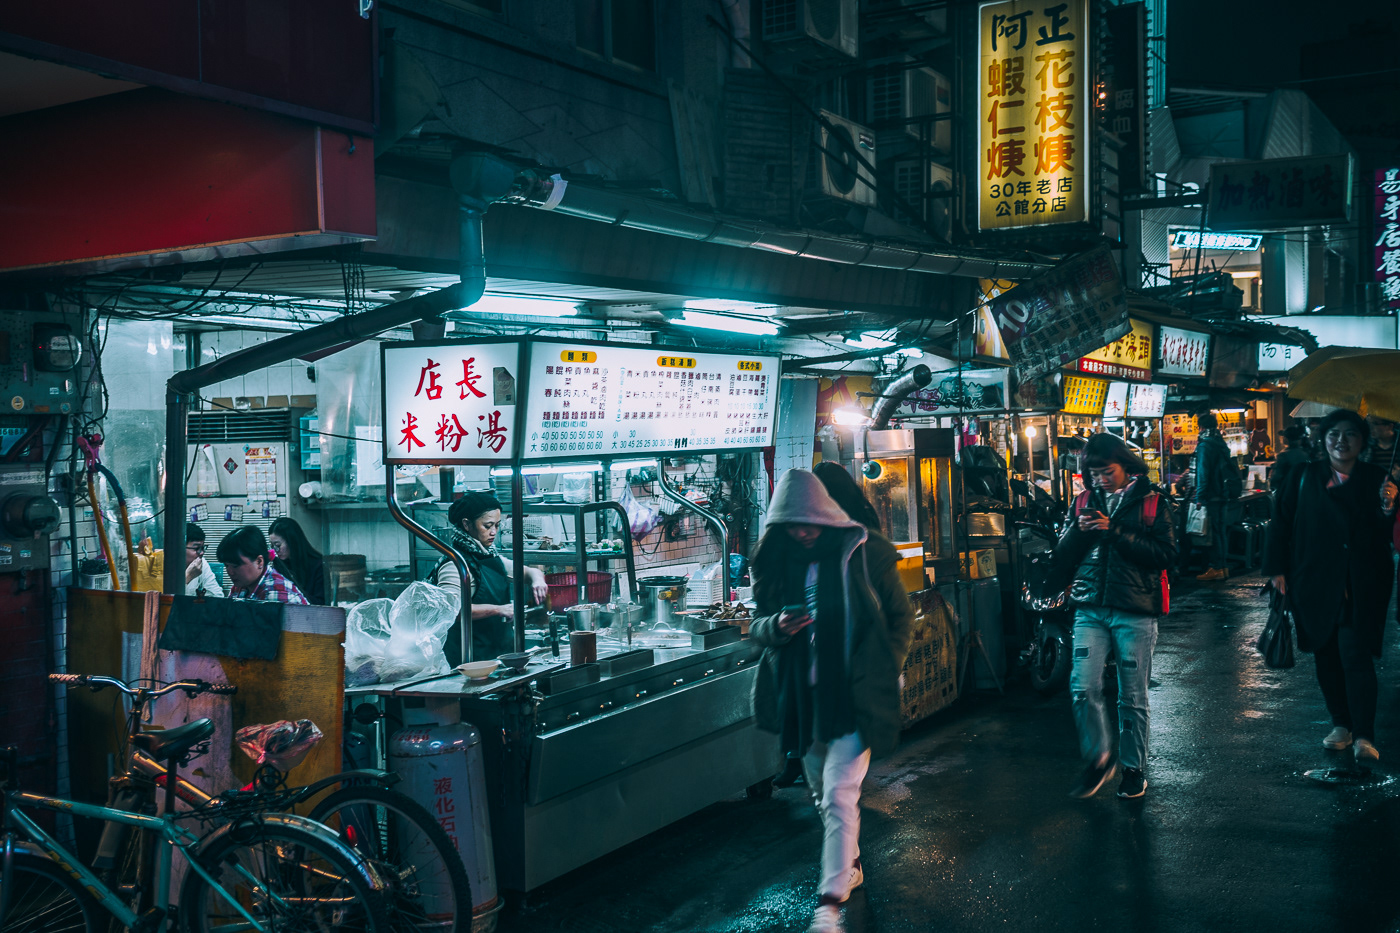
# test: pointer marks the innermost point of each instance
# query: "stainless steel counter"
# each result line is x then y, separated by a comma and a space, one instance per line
577, 774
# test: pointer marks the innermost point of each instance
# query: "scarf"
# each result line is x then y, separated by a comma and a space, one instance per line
814, 682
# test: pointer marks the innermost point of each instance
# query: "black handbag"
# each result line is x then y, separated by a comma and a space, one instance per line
1276, 641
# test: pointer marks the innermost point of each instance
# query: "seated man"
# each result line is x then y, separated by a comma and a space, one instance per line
198, 574
244, 554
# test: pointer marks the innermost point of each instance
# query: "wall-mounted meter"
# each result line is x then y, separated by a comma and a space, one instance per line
27, 517
39, 357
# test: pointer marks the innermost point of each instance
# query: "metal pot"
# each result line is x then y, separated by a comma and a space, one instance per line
662, 599
583, 617
616, 616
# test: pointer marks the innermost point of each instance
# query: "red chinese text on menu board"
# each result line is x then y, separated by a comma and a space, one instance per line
449, 403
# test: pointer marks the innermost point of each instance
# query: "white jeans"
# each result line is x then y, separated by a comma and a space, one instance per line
834, 773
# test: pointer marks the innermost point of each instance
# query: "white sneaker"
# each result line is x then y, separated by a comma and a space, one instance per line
1338, 739
1366, 754
825, 919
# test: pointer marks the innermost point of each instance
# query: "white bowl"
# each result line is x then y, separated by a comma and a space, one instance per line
478, 670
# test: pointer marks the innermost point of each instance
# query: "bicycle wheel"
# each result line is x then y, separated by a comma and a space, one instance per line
43, 898
428, 885
290, 875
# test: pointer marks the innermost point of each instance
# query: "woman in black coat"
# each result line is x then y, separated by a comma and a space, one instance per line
1329, 554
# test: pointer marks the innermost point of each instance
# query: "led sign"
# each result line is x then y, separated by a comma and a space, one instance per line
1191, 239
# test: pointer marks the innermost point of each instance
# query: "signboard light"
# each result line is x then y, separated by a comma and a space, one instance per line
1192, 239
515, 304
731, 322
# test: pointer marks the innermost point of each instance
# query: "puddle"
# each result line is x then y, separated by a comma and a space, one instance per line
1349, 777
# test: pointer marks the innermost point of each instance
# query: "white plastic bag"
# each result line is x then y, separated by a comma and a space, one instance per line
418, 624
641, 518
366, 637
392, 640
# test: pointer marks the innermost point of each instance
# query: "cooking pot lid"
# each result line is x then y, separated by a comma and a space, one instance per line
661, 581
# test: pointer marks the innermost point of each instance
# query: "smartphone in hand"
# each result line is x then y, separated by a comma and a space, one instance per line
794, 618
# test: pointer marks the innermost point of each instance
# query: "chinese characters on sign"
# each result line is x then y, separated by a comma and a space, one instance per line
1123, 76
1279, 357
1036, 114
1084, 396
630, 399
1147, 401
1387, 230
1060, 315
1128, 357
1182, 352
449, 403
1280, 192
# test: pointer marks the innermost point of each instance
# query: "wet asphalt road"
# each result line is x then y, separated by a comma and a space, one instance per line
968, 827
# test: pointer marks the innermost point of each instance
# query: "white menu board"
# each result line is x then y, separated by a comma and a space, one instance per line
449, 402
1116, 401
1182, 352
1147, 401
598, 400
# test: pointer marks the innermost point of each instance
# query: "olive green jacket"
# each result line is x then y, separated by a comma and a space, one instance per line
880, 622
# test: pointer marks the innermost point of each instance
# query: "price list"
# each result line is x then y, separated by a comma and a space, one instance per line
608, 401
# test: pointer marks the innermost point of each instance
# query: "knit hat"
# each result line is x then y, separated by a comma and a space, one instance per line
801, 499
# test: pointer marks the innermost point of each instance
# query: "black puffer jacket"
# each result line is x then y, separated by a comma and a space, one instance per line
1120, 568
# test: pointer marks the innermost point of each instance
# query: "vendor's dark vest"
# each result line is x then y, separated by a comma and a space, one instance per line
490, 586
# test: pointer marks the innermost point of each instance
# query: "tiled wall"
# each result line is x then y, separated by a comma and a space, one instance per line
283, 379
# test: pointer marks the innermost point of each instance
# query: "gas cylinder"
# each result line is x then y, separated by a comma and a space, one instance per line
441, 767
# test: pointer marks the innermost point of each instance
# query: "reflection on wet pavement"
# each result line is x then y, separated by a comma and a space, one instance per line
968, 827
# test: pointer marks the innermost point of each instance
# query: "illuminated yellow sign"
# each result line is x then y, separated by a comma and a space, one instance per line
1084, 396
1128, 357
578, 356
1036, 114
676, 362
750, 366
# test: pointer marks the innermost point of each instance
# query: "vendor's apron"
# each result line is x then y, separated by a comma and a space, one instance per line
495, 636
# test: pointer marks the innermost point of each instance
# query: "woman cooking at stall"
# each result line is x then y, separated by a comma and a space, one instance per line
475, 519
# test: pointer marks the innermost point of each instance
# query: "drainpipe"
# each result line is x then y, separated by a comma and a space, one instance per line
895, 393
673, 219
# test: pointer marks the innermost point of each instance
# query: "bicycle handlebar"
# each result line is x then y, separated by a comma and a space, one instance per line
98, 681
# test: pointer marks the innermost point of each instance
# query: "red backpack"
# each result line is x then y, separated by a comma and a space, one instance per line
1149, 515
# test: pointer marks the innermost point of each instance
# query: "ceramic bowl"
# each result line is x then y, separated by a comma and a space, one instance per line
478, 670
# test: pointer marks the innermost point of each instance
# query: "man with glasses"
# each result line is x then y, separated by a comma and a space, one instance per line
199, 576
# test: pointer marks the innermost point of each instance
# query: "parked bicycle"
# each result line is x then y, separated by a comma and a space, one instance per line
254, 871
426, 884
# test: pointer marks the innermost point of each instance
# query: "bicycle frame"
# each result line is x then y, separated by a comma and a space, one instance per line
171, 833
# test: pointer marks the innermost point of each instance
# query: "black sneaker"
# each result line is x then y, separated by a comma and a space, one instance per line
791, 775
1133, 784
1094, 777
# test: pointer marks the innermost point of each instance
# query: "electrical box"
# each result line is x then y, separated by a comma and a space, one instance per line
28, 515
39, 357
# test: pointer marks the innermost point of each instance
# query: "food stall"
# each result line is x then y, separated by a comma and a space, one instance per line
633, 723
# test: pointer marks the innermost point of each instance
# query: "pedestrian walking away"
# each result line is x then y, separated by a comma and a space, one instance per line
835, 624
1115, 551
1328, 552
1217, 484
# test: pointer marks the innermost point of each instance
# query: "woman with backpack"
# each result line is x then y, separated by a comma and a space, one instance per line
1116, 551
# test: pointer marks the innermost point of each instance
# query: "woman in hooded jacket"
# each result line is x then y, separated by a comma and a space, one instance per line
835, 624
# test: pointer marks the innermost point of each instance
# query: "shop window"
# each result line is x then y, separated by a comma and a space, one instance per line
618, 30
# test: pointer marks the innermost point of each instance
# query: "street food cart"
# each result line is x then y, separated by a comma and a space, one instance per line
582, 757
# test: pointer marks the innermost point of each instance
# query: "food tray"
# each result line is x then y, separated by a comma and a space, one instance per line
627, 662
714, 637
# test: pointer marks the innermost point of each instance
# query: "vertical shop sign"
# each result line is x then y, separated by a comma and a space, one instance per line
1124, 89
1387, 205
1036, 114
1062, 314
449, 403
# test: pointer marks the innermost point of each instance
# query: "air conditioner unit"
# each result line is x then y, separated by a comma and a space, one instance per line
842, 175
937, 212
903, 92
831, 24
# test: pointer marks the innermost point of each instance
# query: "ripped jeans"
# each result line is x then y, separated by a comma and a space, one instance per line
1097, 631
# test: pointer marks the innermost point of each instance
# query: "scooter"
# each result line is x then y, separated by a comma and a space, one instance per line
1047, 657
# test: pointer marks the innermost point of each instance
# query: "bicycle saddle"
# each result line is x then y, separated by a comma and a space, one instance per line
174, 743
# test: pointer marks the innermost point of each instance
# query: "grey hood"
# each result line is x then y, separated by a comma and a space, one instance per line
801, 499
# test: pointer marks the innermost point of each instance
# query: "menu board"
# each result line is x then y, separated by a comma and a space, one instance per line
1147, 401
596, 400
1084, 395
449, 402
1182, 352
1115, 403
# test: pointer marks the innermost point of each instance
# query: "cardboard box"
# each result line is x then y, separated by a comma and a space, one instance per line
980, 564
911, 566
